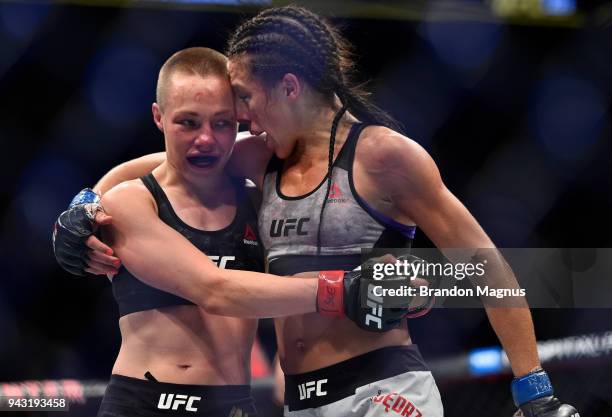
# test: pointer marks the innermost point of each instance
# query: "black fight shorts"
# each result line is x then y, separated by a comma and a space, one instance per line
131, 397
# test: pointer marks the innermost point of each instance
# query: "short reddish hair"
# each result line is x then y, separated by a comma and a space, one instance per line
194, 61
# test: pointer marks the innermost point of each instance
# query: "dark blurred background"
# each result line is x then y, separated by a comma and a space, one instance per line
511, 98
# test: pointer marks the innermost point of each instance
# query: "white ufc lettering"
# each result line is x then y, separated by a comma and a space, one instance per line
375, 304
308, 388
221, 261
170, 401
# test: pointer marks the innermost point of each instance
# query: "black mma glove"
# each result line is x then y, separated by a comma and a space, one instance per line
72, 229
340, 294
533, 394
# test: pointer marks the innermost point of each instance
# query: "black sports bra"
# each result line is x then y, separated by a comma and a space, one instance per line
235, 247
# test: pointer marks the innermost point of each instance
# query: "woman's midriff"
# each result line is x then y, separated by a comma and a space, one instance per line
185, 345
311, 341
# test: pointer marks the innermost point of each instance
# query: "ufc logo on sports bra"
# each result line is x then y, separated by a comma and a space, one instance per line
308, 388
221, 261
285, 226
172, 401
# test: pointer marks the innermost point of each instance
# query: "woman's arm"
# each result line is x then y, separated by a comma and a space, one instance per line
250, 158
161, 257
411, 180
91, 254
129, 170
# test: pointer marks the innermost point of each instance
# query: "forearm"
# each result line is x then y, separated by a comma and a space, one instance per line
250, 294
511, 317
129, 170
182, 270
514, 328
235, 293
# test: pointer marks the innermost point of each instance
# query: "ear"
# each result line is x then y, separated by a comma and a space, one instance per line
157, 116
291, 86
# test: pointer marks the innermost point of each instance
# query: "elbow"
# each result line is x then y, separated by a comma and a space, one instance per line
213, 305
214, 300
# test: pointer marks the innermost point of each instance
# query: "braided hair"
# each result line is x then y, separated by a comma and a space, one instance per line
293, 39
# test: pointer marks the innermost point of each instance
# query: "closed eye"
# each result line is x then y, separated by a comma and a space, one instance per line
244, 97
188, 123
224, 124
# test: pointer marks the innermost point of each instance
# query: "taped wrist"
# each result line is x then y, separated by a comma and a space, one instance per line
330, 293
89, 201
532, 386
85, 196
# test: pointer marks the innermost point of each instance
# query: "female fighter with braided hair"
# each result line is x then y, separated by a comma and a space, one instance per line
343, 178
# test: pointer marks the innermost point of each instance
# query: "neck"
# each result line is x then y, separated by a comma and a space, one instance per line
209, 190
313, 140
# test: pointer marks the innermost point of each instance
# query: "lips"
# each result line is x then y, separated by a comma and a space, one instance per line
203, 161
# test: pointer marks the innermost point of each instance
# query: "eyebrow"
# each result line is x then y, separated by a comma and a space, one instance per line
187, 113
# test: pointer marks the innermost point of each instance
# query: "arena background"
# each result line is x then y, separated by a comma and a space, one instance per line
512, 99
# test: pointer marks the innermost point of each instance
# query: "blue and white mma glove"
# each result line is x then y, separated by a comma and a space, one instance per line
533, 395
71, 230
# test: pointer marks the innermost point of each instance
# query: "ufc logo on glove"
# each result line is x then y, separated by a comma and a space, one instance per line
375, 305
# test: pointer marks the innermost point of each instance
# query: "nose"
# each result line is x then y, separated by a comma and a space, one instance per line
255, 129
242, 112
243, 115
205, 137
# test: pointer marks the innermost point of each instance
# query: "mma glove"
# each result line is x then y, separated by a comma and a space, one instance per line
339, 294
533, 395
71, 230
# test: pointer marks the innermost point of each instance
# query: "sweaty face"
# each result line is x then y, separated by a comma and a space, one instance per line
199, 124
264, 110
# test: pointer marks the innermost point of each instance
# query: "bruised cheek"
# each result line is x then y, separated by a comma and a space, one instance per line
176, 148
